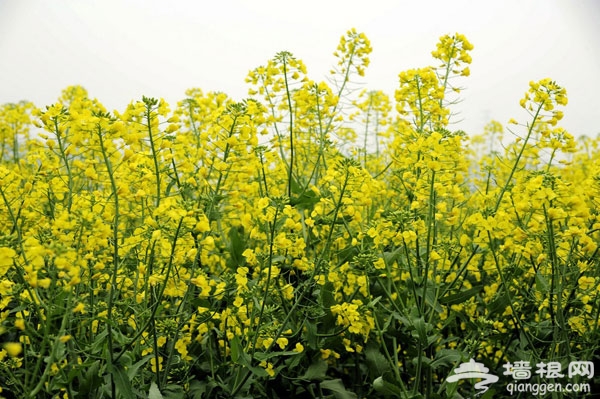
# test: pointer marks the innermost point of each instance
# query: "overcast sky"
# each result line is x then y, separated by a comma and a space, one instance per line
121, 50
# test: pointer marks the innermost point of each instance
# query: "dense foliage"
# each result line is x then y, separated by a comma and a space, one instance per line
310, 241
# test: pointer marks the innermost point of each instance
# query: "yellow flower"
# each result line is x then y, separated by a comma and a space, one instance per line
379, 264
585, 283
6, 259
282, 342
267, 342
182, 347
433, 256
13, 349
268, 368
238, 302
20, 324
328, 353
263, 203
65, 338
202, 226
153, 363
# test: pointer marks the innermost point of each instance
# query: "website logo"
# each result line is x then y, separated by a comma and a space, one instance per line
534, 379
472, 369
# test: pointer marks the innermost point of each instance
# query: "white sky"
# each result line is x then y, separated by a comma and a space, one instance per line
121, 50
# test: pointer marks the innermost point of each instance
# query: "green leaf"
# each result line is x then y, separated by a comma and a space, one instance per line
242, 358
302, 199
91, 381
311, 334
377, 362
327, 299
489, 394
420, 328
316, 371
170, 185
260, 356
154, 392
541, 283
338, 389
173, 391
390, 257
294, 361
432, 300
198, 388
132, 370
385, 385
461, 296
499, 304
122, 383
446, 357
100, 342
236, 247
374, 302
236, 348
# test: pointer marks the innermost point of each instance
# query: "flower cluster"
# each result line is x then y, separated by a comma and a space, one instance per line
304, 240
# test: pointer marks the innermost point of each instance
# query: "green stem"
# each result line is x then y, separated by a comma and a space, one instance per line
367, 130
289, 102
446, 75
430, 238
268, 282
306, 289
263, 175
516, 318
421, 124
556, 288
54, 347
333, 113
63, 155
275, 126
15, 145
149, 118
518, 159
159, 297
115, 267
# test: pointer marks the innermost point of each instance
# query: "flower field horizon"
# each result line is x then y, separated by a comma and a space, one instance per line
314, 240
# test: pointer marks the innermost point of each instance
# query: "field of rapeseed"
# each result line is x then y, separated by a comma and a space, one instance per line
311, 241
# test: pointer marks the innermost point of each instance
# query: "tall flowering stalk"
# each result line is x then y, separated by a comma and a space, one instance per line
309, 241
